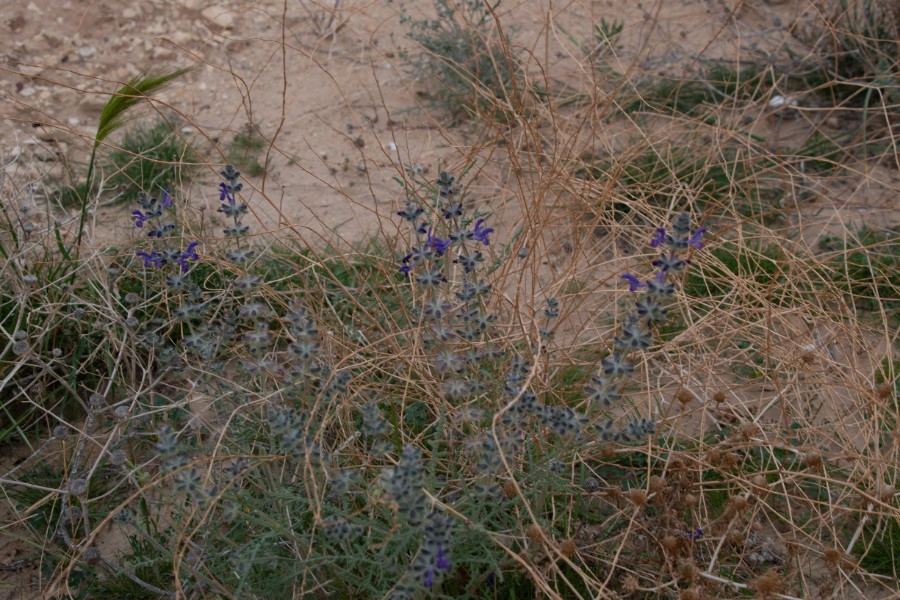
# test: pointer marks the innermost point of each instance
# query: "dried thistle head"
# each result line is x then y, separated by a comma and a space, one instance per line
760, 485
568, 548
656, 484
630, 584
688, 571
684, 396
638, 497
735, 539
670, 544
748, 430
535, 533
509, 489
719, 397
812, 460
730, 460
834, 557
737, 504
692, 593
767, 584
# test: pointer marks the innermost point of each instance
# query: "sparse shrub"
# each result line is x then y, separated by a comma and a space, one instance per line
466, 63
327, 451
859, 62
865, 266
151, 157
245, 150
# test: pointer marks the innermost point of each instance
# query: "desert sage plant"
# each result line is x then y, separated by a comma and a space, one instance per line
266, 453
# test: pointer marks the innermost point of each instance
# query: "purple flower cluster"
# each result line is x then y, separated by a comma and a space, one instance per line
430, 245
681, 237
152, 210
404, 484
150, 217
230, 206
649, 310
433, 559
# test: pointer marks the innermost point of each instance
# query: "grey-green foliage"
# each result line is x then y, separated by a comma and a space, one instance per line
465, 56
364, 455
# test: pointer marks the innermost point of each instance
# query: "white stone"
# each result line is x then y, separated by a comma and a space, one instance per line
162, 53
30, 70
779, 101
181, 37
27, 91
87, 51
43, 153
218, 16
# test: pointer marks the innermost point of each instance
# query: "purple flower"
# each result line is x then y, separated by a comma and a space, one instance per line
633, 282
189, 254
697, 239
411, 212
454, 210
440, 562
225, 193
659, 238
405, 269
139, 218
695, 534
480, 233
440, 246
160, 231
658, 285
167, 199
153, 259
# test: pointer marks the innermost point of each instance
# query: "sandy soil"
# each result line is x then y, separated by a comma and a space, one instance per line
340, 112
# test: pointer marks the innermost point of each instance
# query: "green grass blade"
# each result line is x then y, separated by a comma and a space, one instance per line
128, 96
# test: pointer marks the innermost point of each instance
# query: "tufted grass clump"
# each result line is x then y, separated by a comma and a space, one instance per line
151, 156
465, 59
866, 265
